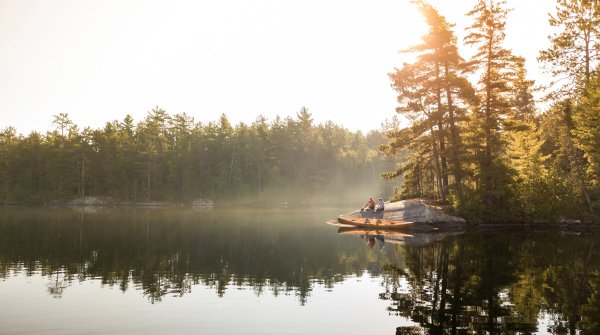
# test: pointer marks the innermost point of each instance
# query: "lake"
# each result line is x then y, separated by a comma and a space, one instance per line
284, 271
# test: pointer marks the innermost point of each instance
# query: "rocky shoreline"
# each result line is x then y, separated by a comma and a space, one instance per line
420, 212
426, 213
90, 201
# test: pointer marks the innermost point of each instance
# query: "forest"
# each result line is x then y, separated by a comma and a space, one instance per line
475, 137
479, 140
174, 159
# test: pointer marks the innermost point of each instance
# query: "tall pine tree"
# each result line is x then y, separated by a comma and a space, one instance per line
494, 64
575, 49
432, 92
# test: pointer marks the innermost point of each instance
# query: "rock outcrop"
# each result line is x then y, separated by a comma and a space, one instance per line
203, 203
91, 201
419, 212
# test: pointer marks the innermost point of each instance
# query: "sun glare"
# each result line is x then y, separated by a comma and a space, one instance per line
184, 56
412, 28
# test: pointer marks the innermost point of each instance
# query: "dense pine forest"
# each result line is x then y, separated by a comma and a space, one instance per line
173, 158
478, 139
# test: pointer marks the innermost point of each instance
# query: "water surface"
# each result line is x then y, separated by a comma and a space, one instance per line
284, 271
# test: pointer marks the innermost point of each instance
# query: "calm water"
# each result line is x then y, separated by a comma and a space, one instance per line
284, 272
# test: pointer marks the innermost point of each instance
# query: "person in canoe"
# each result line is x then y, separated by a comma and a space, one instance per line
379, 209
369, 206
380, 206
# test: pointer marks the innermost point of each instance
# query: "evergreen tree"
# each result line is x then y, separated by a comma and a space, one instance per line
587, 133
8, 143
171, 158
566, 159
494, 64
418, 102
533, 191
432, 93
575, 49
522, 103
153, 144
573, 55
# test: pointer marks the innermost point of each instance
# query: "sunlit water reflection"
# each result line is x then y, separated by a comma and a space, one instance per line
284, 271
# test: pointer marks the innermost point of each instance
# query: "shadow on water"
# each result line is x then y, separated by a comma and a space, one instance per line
438, 282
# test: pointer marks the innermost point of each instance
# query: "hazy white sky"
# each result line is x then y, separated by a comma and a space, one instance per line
98, 60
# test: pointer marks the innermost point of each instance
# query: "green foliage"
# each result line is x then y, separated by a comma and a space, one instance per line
432, 94
573, 53
495, 65
587, 131
456, 141
173, 158
506, 162
573, 59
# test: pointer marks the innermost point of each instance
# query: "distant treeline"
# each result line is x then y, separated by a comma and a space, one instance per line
484, 146
173, 158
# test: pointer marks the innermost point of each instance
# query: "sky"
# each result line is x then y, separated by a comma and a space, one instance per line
99, 60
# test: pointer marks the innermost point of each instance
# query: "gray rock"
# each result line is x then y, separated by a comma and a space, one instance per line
569, 221
418, 211
203, 203
91, 201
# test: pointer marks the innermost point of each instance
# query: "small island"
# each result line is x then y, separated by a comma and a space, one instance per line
420, 213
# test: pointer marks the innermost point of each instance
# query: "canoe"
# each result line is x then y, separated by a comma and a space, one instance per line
371, 232
375, 223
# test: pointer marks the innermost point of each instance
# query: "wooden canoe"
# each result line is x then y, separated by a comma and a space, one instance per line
372, 232
375, 223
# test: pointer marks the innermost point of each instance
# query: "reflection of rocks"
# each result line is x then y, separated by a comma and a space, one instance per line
89, 209
202, 209
408, 238
203, 204
91, 201
422, 239
157, 204
569, 221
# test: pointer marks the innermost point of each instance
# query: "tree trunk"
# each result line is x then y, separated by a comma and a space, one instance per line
454, 138
587, 59
436, 158
148, 181
487, 162
83, 177
441, 136
231, 164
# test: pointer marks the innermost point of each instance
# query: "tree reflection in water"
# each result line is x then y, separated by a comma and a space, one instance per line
478, 282
497, 283
162, 252
56, 287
